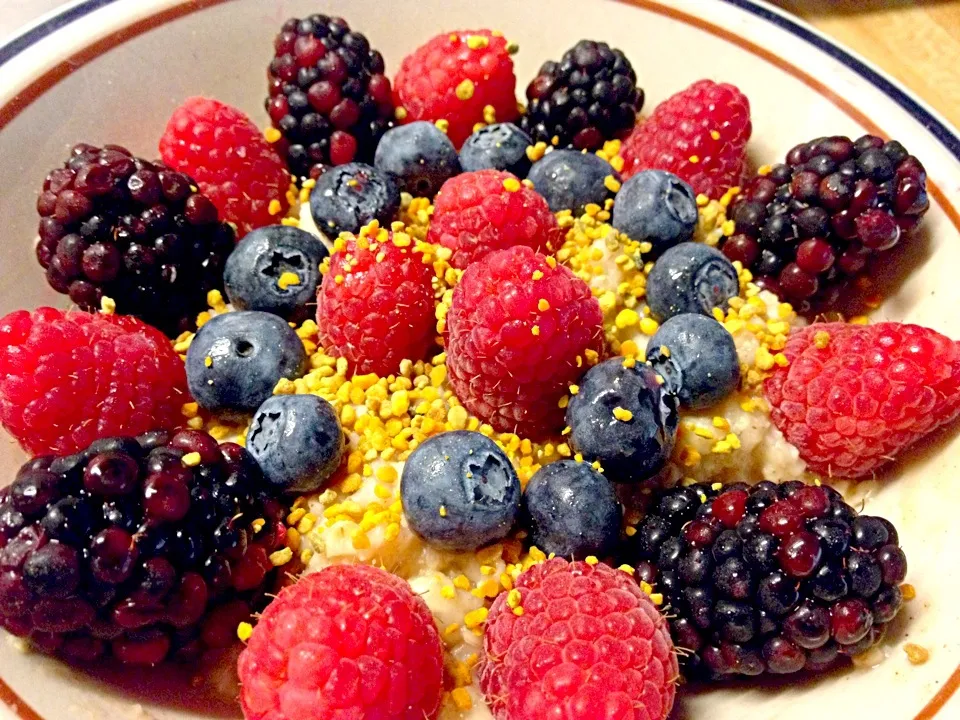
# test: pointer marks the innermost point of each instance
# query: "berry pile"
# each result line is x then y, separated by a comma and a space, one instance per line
114, 225
328, 95
769, 578
141, 548
811, 223
68, 378
588, 97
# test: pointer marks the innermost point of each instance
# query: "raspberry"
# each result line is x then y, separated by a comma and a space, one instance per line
68, 378
227, 155
133, 549
854, 397
351, 641
587, 643
454, 77
519, 331
375, 306
487, 210
768, 578
698, 134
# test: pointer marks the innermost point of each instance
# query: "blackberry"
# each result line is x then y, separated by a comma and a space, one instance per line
114, 225
588, 97
768, 578
328, 94
810, 224
134, 550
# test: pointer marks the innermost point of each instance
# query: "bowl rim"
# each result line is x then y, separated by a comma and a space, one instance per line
940, 128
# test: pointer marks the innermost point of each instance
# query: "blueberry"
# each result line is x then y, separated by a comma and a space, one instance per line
571, 180
501, 146
573, 510
630, 449
691, 278
236, 359
656, 207
254, 269
297, 440
419, 157
348, 197
697, 358
459, 491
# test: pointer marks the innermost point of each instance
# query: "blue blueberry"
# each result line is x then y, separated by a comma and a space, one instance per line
252, 273
501, 146
297, 440
572, 510
629, 450
349, 196
571, 180
419, 157
697, 358
691, 278
656, 207
460, 491
236, 359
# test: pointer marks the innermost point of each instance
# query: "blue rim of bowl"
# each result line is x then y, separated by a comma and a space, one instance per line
940, 130
32, 35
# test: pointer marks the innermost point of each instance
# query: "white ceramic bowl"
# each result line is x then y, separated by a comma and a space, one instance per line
112, 71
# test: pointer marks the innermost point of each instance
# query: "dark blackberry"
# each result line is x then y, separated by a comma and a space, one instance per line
135, 560
769, 578
329, 96
807, 226
588, 97
114, 225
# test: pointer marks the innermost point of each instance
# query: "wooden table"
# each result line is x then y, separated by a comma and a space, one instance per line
915, 41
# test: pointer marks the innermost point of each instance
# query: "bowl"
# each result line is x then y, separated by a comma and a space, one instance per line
102, 71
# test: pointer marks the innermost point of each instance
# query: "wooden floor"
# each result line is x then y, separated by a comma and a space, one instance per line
916, 41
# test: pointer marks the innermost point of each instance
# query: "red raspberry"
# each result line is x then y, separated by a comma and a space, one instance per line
453, 77
589, 643
518, 331
348, 642
69, 378
477, 212
375, 306
699, 134
854, 397
227, 155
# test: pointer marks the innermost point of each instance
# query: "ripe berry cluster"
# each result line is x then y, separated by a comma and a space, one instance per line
141, 548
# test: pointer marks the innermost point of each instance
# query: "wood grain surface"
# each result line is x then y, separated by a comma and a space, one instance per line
915, 41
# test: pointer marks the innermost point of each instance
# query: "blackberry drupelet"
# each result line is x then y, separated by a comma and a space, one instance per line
768, 578
811, 224
328, 94
144, 549
588, 97
114, 225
